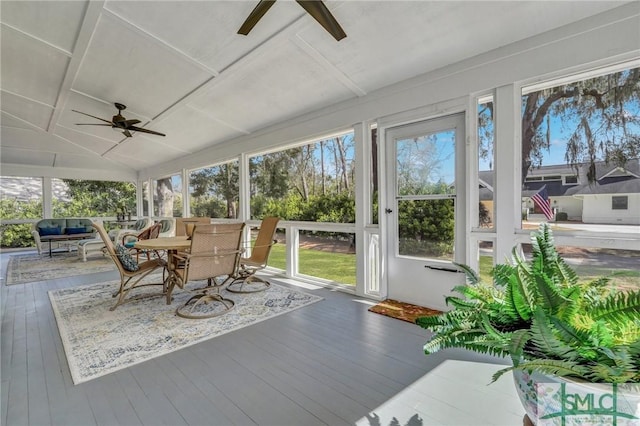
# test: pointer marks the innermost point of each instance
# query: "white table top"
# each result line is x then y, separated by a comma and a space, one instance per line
454, 393
164, 243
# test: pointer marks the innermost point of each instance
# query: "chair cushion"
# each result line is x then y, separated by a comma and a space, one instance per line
49, 230
139, 225
166, 225
128, 262
79, 230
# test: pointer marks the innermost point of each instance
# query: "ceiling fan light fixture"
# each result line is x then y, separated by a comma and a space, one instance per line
315, 8
119, 123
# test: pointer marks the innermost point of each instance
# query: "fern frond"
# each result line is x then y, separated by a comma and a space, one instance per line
567, 274
567, 333
549, 296
430, 321
517, 343
459, 303
472, 277
618, 308
544, 340
502, 273
454, 339
516, 304
549, 367
477, 292
601, 373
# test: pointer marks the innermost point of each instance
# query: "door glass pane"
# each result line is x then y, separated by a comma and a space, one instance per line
426, 228
486, 171
426, 164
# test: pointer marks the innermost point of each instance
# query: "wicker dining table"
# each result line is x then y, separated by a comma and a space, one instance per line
164, 243
169, 244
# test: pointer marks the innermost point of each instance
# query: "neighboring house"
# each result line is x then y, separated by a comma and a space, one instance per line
28, 189
614, 197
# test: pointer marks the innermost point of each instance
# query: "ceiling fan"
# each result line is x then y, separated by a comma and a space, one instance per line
315, 8
119, 122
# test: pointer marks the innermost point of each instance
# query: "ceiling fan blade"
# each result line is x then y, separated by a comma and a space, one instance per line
127, 133
320, 13
92, 116
256, 14
93, 124
128, 123
143, 130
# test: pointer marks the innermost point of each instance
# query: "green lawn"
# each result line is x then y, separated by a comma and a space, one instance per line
339, 267
620, 278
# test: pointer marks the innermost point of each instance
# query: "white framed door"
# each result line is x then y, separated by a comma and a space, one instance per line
425, 211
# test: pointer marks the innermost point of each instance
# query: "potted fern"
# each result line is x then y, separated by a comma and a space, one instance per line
551, 325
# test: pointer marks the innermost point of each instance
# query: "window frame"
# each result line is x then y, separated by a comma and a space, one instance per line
617, 201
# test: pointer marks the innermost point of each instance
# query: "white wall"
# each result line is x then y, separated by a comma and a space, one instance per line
597, 209
572, 206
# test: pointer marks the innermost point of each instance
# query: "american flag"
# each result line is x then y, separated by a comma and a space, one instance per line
541, 199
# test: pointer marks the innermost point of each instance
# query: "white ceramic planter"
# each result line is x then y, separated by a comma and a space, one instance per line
548, 400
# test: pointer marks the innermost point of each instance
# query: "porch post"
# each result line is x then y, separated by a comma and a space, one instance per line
244, 207
507, 171
361, 137
47, 197
186, 207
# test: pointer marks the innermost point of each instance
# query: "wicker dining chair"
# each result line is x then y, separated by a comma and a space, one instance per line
153, 231
246, 280
213, 256
131, 272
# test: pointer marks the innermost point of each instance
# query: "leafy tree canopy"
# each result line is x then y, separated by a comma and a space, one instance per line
102, 197
601, 115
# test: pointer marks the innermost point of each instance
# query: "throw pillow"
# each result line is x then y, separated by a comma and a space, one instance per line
50, 230
70, 231
128, 262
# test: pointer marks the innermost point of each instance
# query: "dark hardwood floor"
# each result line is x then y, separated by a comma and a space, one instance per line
329, 363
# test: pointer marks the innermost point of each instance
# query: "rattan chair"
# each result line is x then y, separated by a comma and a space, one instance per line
245, 280
116, 235
213, 255
130, 279
152, 232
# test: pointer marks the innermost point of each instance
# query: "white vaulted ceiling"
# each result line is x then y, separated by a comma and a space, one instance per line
181, 68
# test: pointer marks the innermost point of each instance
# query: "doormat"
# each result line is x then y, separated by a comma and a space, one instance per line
402, 311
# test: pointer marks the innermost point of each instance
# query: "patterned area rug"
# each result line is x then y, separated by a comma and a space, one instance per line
27, 268
98, 341
401, 310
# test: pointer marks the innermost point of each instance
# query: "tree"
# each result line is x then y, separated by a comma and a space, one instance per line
601, 114
98, 198
164, 197
269, 174
218, 182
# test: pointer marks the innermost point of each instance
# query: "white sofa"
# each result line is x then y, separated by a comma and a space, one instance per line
60, 227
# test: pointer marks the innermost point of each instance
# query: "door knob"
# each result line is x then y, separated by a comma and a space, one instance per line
388, 211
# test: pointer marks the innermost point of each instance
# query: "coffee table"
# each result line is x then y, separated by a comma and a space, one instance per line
65, 237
